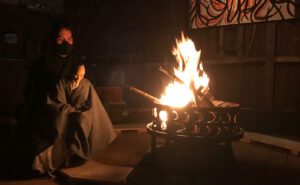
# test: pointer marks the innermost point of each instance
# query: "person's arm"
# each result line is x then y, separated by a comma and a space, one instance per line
86, 105
59, 99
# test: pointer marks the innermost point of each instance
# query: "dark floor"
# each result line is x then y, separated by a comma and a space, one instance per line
187, 165
253, 164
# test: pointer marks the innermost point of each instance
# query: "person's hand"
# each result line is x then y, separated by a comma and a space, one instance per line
73, 109
83, 107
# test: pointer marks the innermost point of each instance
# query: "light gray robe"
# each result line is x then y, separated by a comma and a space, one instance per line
82, 124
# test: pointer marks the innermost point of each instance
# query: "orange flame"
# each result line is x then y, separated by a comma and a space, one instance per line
190, 71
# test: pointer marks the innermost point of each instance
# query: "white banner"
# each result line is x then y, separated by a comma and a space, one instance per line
209, 13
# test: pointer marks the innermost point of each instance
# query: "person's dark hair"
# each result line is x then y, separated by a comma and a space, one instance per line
57, 26
75, 68
48, 45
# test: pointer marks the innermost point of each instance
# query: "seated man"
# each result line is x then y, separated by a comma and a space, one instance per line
82, 126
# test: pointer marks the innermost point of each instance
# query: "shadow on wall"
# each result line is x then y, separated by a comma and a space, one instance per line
13, 75
143, 76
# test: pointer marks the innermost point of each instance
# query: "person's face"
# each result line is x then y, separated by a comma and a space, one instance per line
64, 35
79, 74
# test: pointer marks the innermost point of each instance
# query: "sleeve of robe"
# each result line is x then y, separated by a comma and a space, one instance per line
61, 108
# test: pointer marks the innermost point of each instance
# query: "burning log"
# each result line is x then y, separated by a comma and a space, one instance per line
170, 74
206, 99
144, 94
224, 104
197, 99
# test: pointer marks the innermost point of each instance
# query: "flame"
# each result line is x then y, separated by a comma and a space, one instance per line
190, 71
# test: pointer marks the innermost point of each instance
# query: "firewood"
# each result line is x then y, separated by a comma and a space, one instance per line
144, 94
220, 103
170, 74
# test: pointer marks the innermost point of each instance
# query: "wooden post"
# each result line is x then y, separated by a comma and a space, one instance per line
221, 44
269, 64
240, 41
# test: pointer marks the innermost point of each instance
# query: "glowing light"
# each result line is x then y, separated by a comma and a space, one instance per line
189, 71
163, 125
163, 116
155, 112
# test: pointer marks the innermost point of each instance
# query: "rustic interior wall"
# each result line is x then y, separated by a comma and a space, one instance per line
124, 42
254, 64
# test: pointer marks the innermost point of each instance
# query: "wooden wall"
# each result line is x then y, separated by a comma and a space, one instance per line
256, 64
125, 41
253, 64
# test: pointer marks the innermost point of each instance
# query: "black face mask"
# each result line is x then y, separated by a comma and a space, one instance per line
64, 48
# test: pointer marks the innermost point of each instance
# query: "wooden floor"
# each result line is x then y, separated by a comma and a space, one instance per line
254, 164
261, 164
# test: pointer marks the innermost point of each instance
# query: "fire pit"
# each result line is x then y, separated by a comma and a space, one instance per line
195, 124
186, 110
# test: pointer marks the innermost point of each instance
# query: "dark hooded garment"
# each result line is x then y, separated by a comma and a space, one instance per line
81, 124
43, 76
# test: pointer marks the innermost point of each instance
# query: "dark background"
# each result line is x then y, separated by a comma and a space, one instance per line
124, 42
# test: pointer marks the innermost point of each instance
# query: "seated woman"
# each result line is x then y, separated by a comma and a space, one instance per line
82, 126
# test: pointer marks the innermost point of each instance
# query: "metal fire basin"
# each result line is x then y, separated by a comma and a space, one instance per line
192, 124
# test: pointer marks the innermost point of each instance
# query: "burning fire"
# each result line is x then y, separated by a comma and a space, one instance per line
191, 78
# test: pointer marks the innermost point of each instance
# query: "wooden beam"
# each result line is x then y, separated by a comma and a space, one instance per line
235, 60
291, 145
93, 172
132, 127
289, 59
